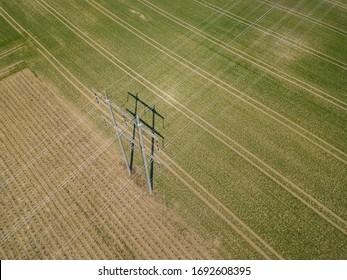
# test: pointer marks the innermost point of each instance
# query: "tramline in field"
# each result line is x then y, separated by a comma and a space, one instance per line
70, 203
254, 99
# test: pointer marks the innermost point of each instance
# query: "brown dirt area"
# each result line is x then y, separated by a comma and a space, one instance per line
64, 193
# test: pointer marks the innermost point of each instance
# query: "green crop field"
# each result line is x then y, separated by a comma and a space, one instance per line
255, 105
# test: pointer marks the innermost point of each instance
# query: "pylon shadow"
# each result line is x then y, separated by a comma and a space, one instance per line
152, 127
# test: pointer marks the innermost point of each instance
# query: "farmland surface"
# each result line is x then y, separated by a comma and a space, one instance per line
255, 105
65, 196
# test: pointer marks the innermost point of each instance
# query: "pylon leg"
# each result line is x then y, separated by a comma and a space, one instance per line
142, 147
118, 132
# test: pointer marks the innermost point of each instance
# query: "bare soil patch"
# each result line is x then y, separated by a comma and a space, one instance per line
64, 193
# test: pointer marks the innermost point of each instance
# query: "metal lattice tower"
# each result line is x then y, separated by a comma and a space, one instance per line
141, 126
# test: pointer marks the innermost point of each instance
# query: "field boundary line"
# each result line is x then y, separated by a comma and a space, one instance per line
274, 115
313, 20
40, 46
7, 70
318, 207
11, 66
93, 133
254, 246
249, 58
11, 51
106, 57
162, 153
74, 84
290, 41
79, 89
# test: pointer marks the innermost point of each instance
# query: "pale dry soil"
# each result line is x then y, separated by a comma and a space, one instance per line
59, 202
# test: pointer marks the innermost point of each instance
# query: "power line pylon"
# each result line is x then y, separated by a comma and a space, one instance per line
154, 133
141, 126
119, 133
134, 135
143, 152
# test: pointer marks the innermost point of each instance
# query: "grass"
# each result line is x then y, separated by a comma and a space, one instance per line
283, 221
8, 36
